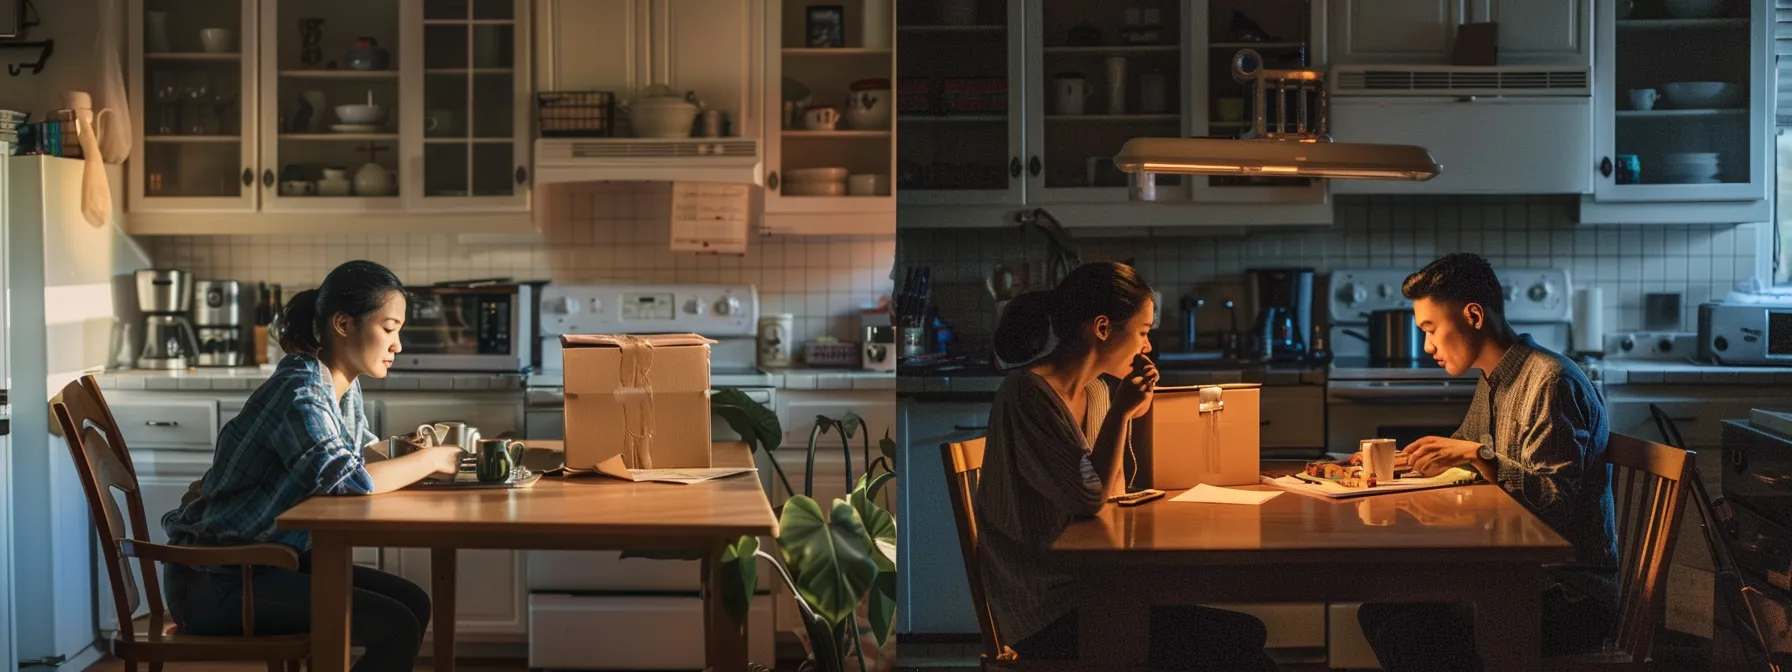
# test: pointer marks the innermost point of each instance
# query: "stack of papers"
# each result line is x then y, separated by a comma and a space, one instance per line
614, 467
1294, 483
1210, 494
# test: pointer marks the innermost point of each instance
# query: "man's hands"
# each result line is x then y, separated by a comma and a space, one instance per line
1432, 455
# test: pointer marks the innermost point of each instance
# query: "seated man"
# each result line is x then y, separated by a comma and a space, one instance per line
1537, 428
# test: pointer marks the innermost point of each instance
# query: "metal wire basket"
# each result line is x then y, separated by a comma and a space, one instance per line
576, 114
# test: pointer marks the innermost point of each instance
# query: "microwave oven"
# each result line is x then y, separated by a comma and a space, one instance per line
1746, 334
458, 328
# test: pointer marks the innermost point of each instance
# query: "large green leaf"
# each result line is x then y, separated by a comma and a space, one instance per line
740, 574
830, 558
879, 524
887, 446
823, 639
850, 423
883, 606
756, 424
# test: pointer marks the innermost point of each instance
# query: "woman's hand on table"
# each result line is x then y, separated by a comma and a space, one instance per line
445, 459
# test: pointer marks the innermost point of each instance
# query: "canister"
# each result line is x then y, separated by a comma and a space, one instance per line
775, 339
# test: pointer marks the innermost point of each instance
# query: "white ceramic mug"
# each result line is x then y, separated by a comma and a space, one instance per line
861, 185
1643, 99
821, 118
1073, 94
215, 40
1378, 458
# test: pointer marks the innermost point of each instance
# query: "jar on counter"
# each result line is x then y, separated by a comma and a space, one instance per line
774, 340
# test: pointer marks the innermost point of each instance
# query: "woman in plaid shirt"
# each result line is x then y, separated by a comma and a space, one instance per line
302, 434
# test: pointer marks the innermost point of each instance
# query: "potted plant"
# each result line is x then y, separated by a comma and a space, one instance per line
839, 563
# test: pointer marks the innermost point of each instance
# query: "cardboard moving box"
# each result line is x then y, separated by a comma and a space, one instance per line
644, 397
1205, 434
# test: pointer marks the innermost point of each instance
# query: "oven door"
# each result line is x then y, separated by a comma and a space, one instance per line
1400, 410
544, 413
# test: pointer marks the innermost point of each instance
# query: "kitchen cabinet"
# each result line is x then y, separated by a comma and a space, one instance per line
489, 594
933, 594
1027, 108
1386, 32
240, 112
797, 410
493, 414
1293, 418
852, 76
1700, 156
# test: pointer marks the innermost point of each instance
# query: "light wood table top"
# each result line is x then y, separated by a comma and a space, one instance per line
587, 504
1468, 523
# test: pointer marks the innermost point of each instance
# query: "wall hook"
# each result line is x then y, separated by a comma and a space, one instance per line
45, 48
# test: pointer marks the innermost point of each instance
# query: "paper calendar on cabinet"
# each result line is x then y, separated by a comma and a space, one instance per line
710, 217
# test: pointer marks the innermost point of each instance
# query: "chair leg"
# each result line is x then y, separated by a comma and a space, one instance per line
295, 665
276, 666
155, 666
130, 665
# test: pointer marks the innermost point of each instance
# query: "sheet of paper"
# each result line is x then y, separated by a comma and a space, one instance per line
613, 467
710, 217
1212, 494
1451, 477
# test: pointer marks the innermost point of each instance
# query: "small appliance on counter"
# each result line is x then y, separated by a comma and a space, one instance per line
1651, 345
1746, 334
1283, 299
164, 296
472, 325
218, 318
878, 349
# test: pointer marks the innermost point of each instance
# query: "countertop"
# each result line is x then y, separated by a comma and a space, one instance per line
985, 380
1684, 372
249, 377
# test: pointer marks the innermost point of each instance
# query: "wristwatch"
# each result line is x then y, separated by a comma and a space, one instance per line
1486, 453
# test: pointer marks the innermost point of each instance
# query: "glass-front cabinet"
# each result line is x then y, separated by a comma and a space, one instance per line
369, 106
1686, 107
195, 144
1027, 102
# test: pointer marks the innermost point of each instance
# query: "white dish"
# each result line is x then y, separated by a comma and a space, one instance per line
355, 128
359, 113
815, 175
1701, 95
815, 189
1689, 156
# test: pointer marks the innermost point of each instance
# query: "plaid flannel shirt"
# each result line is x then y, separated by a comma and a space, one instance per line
292, 440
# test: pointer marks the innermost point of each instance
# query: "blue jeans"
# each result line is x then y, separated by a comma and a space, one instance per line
387, 613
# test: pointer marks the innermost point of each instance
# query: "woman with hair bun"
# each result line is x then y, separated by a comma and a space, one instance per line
1055, 453
301, 434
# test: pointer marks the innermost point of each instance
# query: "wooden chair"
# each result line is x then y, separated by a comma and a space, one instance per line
964, 461
1649, 486
104, 465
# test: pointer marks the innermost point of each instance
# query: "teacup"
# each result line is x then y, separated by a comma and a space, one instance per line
497, 459
1643, 99
822, 118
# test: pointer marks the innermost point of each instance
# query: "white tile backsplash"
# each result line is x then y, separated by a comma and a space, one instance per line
610, 232
1700, 262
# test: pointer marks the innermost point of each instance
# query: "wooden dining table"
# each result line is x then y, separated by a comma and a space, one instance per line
1462, 544
594, 513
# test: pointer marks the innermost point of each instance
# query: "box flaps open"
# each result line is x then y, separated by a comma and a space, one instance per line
621, 340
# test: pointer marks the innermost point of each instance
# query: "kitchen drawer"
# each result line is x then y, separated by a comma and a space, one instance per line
606, 571
602, 632
1293, 417
170, 423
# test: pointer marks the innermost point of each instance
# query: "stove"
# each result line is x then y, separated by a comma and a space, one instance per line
1405, 402
727, 314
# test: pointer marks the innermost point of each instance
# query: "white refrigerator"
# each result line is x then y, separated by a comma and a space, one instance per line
60, 292
9, 658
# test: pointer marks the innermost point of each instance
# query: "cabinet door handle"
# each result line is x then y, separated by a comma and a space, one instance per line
1033, 166
267, 177
771, 181
248, 177
968, 428
1605, 167
1264, 423
1014, 166
161, 423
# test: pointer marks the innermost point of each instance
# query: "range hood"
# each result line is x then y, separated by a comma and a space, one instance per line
1292, 147
564, 160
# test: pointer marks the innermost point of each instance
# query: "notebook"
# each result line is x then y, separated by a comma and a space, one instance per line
1307, 485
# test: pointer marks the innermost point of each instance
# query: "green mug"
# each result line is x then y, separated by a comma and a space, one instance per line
496, 459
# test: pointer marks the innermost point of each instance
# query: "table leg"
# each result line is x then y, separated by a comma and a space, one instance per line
331, 570
1114, 626
443, 572
725, 642
1508, 620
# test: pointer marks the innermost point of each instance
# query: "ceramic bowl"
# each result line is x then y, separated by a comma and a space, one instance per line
815, 175
662, 117
1701, 95
360, 113
815, 189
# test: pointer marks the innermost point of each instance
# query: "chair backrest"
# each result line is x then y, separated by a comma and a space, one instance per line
104, 465
964, 462
1649, 485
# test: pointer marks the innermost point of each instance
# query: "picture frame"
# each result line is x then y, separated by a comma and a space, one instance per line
825, 26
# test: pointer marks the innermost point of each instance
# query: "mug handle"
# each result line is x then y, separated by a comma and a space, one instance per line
430, 124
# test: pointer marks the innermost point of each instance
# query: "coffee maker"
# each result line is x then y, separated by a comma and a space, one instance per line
218, 318
1283, 298
164, 296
